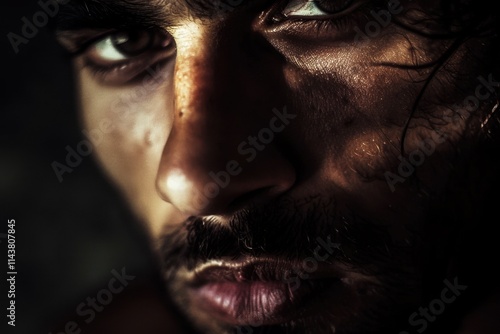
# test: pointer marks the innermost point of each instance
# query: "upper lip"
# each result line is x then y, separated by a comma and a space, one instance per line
258, 269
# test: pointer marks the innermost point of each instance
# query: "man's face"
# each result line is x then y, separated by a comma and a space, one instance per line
288, 158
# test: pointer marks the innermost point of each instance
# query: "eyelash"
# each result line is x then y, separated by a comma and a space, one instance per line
127, 70
336, 24
103, 72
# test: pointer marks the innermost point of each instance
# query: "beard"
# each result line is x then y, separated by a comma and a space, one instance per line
388, 261
400, 262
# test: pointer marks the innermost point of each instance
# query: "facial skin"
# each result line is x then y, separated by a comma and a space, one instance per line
322, 228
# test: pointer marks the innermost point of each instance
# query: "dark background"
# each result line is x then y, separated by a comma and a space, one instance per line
69, 235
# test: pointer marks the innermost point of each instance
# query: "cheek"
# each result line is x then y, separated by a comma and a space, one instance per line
138, 120
356, 107
355, 122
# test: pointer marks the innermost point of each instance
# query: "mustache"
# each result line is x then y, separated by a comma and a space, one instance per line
289, 229
286, 229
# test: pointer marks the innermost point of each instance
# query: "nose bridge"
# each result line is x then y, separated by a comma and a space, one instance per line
210, 90
210, 86
194, 71
221, 97
216, 70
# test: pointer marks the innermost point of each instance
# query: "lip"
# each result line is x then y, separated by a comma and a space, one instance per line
259, 291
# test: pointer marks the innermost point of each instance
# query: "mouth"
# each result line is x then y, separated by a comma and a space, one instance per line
262, 291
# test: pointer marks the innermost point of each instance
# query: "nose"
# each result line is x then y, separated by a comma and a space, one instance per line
226, 147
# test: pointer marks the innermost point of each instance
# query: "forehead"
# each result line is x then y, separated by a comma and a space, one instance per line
200, 8
78, 14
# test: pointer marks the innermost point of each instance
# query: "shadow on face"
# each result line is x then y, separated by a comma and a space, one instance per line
297, 164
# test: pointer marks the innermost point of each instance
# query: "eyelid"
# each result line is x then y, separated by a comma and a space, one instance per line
84, 43
124, 72
78, 42
287, 34
84, 48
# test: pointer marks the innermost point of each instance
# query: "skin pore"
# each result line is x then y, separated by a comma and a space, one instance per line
372, 147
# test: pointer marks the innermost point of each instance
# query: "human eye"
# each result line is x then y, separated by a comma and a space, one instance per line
327, 19
118, 57
315, 8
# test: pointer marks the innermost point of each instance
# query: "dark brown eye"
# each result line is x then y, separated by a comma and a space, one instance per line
132, 43
125, 45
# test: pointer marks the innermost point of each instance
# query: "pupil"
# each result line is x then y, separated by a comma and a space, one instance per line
132, 43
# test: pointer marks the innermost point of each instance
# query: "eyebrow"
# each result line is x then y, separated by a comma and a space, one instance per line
102, 14
105, 14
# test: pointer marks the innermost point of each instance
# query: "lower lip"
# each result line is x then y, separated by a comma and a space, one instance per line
254, 302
